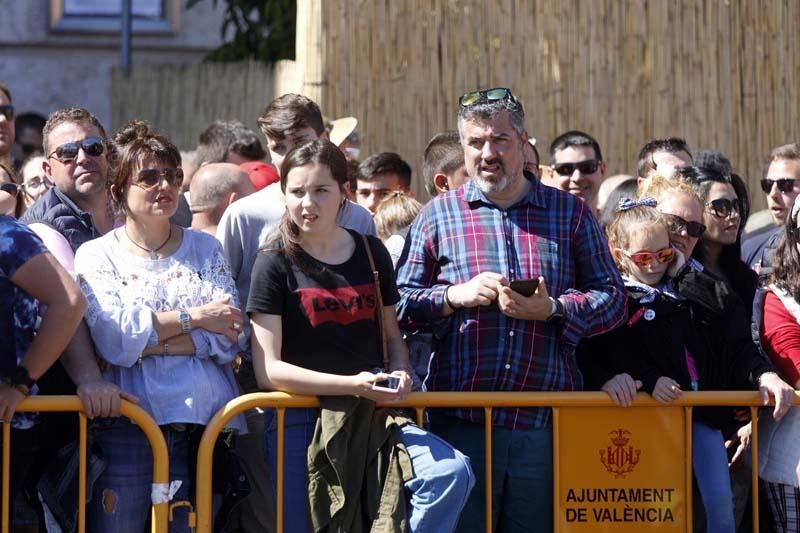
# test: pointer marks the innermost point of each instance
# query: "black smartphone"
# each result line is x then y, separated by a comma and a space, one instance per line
525, 287
391, 384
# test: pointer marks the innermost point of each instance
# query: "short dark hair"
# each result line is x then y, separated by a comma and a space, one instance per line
222, 137
713, 159
574, 138
29, 120
74, 115
384, 163
671, 145
290, 112
6, 90
443, 155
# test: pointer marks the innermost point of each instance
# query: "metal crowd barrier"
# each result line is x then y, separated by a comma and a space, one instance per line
486, 400
48, 404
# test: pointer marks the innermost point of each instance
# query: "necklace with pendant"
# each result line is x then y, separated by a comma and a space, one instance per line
153, 253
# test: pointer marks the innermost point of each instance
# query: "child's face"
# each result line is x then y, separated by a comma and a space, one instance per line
647, 268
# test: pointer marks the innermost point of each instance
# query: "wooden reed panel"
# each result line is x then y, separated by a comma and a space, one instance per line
180, 101
720, 74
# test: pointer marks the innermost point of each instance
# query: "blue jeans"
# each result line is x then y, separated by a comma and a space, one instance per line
120, 499
522, 475
442, 475
710, 463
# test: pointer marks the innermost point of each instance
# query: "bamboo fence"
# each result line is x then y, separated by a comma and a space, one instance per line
721, 74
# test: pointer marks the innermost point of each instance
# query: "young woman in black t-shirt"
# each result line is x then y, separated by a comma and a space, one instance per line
314, 308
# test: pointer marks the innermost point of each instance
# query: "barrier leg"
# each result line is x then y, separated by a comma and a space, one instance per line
487, 414
754, 457
687, 422
281, 412
556, 482
6, 473
81, 472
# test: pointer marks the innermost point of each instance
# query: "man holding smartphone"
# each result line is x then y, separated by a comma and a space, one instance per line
464, 250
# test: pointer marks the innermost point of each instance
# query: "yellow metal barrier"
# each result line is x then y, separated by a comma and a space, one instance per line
49, 404
486, 400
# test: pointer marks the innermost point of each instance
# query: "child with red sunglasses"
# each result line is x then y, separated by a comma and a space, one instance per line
676, 338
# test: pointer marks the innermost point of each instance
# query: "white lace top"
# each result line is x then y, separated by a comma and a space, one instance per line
125, 290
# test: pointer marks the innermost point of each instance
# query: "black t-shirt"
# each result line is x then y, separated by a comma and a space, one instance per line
329, 317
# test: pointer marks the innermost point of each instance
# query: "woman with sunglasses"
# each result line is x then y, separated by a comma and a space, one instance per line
676, 339
719, 250
161, 313
34, 182
11, 202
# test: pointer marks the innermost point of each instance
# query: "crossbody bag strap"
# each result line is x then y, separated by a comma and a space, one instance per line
377, 277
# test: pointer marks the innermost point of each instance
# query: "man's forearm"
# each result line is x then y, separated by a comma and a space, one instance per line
79, 359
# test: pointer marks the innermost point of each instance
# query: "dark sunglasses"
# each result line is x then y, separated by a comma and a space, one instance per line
589, 166
676, 224
92, 146
784, 184
645, 259
7, 110
10, 188
722, 207
150, 178
486, 95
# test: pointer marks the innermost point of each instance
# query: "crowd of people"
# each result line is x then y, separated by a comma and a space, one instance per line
180, 280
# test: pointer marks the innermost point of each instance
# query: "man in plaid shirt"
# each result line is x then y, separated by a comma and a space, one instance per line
464, 251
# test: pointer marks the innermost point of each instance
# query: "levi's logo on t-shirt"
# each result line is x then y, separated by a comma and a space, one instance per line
343, 305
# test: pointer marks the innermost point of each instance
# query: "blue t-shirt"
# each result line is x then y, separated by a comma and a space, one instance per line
19, 311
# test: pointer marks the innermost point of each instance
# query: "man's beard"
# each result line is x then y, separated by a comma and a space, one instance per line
501, 184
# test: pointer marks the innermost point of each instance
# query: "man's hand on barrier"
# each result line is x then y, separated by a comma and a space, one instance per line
101, 398
537, 306
10, 396
622, 389
480, 290
743, 438
769, 383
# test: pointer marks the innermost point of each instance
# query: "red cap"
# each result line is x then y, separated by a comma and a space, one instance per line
261, 174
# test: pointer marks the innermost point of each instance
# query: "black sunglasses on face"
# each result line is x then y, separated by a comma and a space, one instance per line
486, 95
10, 188
92, 146
784, 185
589, 166
150, 178
676, 224
7, 111
723, 207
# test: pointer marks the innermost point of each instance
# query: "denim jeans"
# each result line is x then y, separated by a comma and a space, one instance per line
710, 463
522, 475
442, 475
121, 496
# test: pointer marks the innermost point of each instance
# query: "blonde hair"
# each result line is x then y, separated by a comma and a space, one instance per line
395, 214
660, 188
638, 219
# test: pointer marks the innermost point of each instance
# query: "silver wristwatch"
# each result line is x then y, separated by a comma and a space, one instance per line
186, 320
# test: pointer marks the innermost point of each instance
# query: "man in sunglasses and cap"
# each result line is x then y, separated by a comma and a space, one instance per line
521, 273
577, 166
781, 184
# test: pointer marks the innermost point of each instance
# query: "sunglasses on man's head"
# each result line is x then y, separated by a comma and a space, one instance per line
676, 224
10, 188
784, 184
92, 146
486, 95
645, 259
150, 178
7, 110
589, 166
722, 207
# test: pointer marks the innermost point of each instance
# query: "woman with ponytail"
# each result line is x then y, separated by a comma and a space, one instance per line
163, 314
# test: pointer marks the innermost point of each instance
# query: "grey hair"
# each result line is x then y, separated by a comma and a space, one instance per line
487, 110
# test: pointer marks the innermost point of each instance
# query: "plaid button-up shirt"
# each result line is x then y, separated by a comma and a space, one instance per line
548, 233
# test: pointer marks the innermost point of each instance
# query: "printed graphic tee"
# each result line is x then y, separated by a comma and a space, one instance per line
329, 316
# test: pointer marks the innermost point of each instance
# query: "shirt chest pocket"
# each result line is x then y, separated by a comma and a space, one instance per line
543, 260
